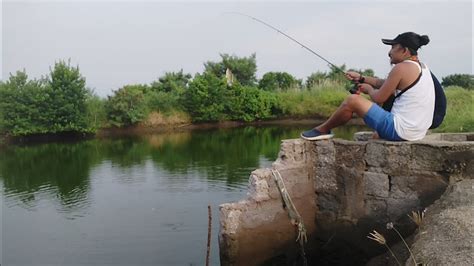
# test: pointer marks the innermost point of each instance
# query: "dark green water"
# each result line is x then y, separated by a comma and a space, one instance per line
128, 201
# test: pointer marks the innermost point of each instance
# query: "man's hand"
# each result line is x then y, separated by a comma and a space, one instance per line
365, 88
352, 76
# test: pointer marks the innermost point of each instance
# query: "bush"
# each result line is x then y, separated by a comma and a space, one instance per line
462, 80
249, 103
96, 115
127, 106
164, 102
205, 98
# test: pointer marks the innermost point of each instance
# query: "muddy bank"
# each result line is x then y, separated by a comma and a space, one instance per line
143, 129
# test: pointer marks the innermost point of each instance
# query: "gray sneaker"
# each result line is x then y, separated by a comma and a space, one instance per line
314, 134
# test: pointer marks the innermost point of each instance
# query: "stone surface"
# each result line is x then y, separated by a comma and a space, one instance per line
447, 233
376, 184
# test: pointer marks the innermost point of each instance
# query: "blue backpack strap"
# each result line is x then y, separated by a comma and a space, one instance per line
440, 103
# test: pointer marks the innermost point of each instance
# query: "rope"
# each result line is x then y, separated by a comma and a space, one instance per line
293, 214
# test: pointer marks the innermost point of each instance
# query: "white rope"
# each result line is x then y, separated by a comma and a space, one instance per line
293, 214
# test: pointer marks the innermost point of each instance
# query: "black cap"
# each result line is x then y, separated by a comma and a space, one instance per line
409, 40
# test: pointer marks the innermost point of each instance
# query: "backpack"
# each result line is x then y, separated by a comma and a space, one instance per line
440, 101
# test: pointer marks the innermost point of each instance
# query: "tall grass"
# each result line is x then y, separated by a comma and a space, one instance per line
460, 113
320, 100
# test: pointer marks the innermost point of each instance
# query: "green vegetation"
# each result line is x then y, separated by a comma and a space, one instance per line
462, 80
53, 104
225, 90
127, 106
460, 113
279, 81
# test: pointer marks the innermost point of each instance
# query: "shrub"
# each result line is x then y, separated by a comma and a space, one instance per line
249, 103
205, 98
127, 106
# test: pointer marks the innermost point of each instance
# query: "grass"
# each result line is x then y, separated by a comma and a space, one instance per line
320, 100
460, 113
172, 118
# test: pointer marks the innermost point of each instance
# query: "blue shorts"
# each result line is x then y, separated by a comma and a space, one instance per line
382, 122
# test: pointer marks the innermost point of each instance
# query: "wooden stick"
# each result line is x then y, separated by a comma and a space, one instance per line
209, 235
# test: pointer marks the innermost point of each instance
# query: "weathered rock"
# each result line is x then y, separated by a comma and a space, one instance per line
447, 233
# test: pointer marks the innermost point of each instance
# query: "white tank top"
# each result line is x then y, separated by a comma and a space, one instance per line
413, 110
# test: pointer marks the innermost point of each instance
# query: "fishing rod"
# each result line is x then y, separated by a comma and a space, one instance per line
289, 37
353, 90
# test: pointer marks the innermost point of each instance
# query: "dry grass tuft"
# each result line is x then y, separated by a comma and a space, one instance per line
379, 238
417, 217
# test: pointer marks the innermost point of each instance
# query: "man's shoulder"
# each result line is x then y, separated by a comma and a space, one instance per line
404, 67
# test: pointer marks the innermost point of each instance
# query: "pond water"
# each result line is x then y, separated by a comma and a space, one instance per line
128, 201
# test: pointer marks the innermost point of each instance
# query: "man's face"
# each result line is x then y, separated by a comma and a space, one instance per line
397, 54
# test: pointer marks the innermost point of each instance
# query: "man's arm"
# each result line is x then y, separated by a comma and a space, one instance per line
374, 82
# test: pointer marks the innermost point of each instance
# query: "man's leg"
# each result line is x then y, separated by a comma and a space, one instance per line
353, 104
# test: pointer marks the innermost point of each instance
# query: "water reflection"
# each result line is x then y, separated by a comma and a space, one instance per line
61, 171
127, 201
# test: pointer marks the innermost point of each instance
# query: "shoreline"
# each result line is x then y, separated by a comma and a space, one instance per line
144, 130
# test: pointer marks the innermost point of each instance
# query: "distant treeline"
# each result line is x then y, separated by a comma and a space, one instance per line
225, 90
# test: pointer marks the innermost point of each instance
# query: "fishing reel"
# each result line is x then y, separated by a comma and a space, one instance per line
355, 88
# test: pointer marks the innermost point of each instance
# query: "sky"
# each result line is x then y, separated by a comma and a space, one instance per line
116, 43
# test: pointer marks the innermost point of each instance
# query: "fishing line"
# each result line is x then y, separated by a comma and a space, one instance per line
289, 37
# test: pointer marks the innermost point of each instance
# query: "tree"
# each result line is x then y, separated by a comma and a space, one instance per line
53, 104
243, 68
68, 98
462, 80
278, 81
172, 82
24, 107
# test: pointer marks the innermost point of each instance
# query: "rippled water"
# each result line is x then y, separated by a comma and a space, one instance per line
127, 201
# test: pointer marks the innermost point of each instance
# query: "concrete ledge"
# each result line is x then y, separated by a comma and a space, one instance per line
350, 187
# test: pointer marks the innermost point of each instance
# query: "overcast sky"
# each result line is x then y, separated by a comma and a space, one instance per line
124, 42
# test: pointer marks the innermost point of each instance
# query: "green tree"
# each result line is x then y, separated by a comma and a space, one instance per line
67, 98
205, 98
462, 80
24, 105
127, 106
172, 82
243, 68
278, 81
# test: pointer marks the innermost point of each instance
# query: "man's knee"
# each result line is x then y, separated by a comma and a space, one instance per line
353, 100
